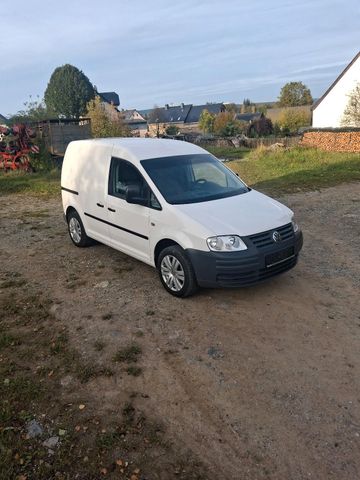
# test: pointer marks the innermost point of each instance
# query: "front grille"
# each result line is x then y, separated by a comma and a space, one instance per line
264, 239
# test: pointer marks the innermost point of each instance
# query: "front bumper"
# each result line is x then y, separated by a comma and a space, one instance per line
247, 267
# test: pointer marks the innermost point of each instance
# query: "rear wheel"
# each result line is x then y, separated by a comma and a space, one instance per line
176, 272
77, 231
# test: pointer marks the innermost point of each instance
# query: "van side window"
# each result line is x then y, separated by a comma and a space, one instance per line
122, 175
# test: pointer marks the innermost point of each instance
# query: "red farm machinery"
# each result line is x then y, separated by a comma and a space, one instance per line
16, 145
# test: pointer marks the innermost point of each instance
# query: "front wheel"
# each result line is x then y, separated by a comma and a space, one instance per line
77, 231
176, 272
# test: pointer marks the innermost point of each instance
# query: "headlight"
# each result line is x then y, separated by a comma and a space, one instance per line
294, 225
226, 243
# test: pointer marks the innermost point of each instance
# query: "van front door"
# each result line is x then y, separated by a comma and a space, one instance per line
128, 223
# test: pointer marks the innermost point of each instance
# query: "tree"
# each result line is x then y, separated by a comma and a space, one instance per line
293, 118
206, 121
295, 94
247, 106
102, 124
226, 125
351, 116
34, 111
171, 130
232, 107
68, 92
261, 127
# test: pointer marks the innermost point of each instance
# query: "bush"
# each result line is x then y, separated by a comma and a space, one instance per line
291, 119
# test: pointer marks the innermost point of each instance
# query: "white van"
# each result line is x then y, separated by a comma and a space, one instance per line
174, 206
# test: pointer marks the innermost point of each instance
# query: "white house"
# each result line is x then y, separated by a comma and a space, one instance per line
329, 109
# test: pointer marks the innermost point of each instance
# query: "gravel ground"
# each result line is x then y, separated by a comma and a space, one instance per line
257, 383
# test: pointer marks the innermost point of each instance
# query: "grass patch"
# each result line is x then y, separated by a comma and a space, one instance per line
229, 153
89, 371
134, 370
128, 354
99, 345
39, 184
13, 283
6, 340
296, 169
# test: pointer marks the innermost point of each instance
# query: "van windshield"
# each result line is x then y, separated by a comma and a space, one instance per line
192, 178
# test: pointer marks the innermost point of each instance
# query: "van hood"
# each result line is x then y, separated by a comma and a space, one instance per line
244, 214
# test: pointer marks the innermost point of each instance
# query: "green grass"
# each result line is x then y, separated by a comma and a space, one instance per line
129, 354
39, 184
228, 153
296, 169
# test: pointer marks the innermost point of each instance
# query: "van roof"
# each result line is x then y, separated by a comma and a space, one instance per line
137, 149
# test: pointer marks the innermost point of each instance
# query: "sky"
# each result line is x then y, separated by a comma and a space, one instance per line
191, 51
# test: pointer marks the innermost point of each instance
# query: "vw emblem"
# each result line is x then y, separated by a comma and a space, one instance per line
276, 236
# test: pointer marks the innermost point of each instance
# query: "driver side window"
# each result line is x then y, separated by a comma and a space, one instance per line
123, 175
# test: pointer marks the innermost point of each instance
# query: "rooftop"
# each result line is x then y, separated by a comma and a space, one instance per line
110, 97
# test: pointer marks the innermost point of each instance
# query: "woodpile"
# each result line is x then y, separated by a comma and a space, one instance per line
332, 141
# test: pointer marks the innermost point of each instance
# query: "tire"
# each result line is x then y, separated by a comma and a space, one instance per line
77, 231
176, 272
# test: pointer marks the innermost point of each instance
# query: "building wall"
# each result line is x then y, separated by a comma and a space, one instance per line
330, 110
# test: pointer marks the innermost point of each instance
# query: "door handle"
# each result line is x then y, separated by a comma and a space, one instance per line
111, 209
100, 205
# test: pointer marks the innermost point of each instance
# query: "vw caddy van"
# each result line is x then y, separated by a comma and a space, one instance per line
174, 206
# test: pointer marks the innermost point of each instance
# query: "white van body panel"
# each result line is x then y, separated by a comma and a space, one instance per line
136, 229
243, 215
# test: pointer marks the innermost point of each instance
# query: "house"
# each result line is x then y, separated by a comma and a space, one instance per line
3, 120
110, 97
328, 110
110, 102
183, 117
136, 122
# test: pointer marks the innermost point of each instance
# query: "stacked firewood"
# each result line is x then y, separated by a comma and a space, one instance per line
348, 141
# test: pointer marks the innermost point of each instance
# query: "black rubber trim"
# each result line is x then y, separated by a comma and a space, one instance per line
70, 191
117, 226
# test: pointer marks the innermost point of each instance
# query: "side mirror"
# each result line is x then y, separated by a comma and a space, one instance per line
133, 195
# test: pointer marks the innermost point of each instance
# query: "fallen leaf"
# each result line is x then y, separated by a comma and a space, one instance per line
81, 406
103, 471
22, 477
77, 428
62, 432
51, 373
119, 463
137, 471
134, 477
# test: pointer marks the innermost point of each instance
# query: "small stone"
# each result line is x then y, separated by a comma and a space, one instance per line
81, 406
51, 442
34, 429
6, 381
103, 284
66, 381
215, 353
62, 432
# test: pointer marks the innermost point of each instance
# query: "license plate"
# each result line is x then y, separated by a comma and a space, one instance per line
279, 256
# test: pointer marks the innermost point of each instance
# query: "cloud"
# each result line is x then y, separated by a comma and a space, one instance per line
159, 51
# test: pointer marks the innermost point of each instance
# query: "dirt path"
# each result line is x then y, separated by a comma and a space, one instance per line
257, 383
